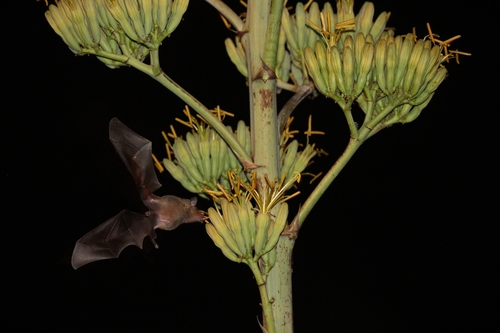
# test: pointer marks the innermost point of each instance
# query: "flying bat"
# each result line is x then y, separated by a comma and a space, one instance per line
130, 228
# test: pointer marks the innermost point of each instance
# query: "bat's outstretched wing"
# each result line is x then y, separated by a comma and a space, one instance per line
110, 238
129, 228
135, 152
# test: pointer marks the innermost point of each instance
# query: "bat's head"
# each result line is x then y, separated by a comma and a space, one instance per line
169, 211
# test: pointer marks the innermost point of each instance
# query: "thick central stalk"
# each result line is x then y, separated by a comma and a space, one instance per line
261, 33
262, 90
279, 286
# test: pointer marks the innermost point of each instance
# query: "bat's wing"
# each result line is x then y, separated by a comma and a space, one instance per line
110, 238
135, 152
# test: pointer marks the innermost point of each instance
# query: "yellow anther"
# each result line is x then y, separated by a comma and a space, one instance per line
309, 131
315, 177
165, 136
308, 4
183, 122
345, 25
225, 21
288, 197
214, 194
157, 163
228, 197
431, 35
221, 114
449, 40
173, 134
445, 44
169, 151
321, 152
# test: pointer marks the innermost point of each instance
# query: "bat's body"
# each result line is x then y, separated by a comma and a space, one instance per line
129, 228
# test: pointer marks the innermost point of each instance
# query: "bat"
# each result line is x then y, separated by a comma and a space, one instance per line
130, 228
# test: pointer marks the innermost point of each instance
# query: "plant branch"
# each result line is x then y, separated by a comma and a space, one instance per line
228, 13
353, 128
154, 57
287, 109
262, 92
370, 104
366, 129
323, 185
203, 111
168, 83
353, 145
265, 301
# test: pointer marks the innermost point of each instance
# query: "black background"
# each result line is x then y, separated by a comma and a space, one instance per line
402, 241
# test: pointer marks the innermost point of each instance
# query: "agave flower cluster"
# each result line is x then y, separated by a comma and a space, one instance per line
204, 164
241, 222
242, 225
392, 78
354, 58
115, 27
203, 159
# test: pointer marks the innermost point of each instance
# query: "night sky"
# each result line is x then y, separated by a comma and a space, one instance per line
402, 241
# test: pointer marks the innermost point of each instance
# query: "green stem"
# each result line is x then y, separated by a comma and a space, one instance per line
287, 109
265, 301
154, 56
183, 95
350, 120
228, 13
370, 104
216, 124
262, 91
311, 201
353, 145
261, 23
279, 286
366, 129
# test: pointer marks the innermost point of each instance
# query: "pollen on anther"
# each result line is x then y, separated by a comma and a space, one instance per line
309, 131
157, 164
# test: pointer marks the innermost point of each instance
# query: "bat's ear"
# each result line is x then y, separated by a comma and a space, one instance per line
193, 200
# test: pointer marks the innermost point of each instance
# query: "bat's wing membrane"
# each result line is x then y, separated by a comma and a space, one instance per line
135, 151
110, 238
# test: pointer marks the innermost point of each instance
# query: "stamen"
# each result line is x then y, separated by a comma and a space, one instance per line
316, 177
228, 198
288, 197
221, 114
309, 131
225, 21
449, 40
214, 194
308, 4
158, 164
322, 19
269, 183
230, 178
173, 134
183, 122
321, 152
345, 25
169, 151
164, 136
431, 35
